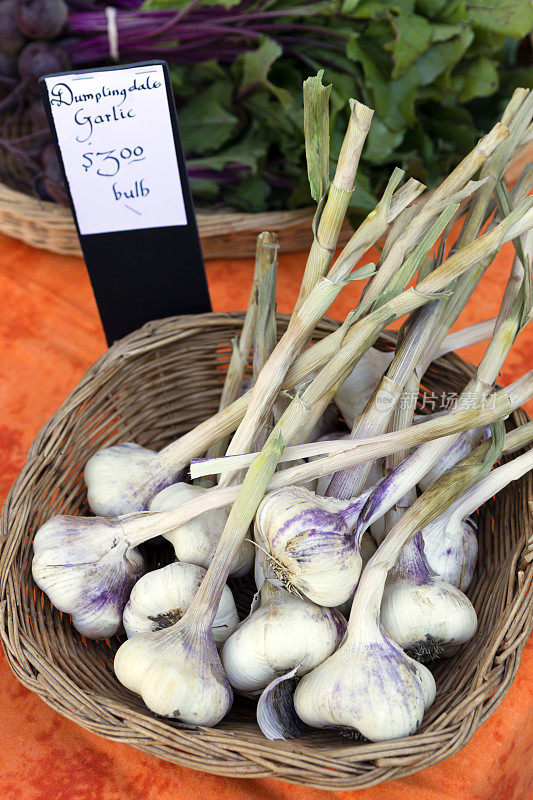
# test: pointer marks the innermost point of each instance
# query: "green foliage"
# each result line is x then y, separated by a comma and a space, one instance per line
437, 73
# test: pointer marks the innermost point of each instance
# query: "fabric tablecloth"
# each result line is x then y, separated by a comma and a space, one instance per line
49, 335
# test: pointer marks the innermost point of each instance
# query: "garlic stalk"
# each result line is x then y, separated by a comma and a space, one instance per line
309, 543
195, 541
177, 670
516, 117
513, 315
332, 198
450, 541
121, 480
160, 598
375, 418
332, 455
362, 382
369, 684
266, 255
303, 321
282, 632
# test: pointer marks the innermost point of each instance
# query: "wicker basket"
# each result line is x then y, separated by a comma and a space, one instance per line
224, 233
152, 386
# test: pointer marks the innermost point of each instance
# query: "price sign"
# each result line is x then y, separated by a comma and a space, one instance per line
118, 142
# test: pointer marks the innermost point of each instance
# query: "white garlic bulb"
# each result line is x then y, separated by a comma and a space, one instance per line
359, 386
310, 543
124, 478
369, 685
195, 542
87, 568
283, 631
160, 598
450, 547
177, 672
424, 615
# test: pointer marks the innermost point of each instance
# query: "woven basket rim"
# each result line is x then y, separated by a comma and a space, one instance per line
239, 751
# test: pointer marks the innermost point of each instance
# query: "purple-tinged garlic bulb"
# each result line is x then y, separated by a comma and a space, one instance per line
424, 615
450, 547
369, 685
124, 478
177, 672
310, 544
87, 567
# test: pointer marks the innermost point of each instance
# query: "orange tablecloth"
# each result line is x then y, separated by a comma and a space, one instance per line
50, 334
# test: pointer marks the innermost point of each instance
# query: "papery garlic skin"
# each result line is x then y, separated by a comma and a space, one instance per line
283, 631
451, 549
433, 614
275, 713
124, 478
309, 539
195, 542
359, 386
87, 569
369, 685
160, 598
177, 672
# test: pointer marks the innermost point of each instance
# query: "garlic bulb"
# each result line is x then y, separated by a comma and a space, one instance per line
369, 684
195, 541
310, 543
124, 478
282, 631
87, 569
424, 615
178, 673
359, 386
160, 598
450, 547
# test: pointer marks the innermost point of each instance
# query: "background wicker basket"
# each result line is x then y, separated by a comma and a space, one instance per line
150, 387
224, 233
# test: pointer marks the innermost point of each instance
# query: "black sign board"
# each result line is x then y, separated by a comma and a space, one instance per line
117, 139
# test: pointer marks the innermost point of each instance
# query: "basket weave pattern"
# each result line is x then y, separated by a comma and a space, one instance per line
150, 387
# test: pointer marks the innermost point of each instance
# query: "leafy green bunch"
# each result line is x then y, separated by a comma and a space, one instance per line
437, 73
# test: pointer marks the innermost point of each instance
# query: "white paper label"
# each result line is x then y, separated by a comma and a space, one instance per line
116, 139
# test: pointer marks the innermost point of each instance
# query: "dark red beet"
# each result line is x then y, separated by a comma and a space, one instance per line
8, 66
40, 58
39, 121
53, 179
41, 19
11, 38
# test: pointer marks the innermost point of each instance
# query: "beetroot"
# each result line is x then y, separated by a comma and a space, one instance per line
11, 38
40, 58
41, 19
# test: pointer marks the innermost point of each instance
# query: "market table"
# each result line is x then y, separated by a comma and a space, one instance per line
50, 334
